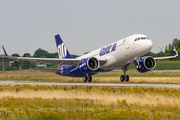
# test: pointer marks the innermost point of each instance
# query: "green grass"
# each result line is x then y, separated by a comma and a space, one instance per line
109, 77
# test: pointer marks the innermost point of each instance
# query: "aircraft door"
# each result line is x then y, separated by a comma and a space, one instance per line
127, 45
135, 46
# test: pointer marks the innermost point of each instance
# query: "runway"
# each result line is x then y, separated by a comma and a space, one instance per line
97, 84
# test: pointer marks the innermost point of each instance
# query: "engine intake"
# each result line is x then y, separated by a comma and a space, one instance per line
146, 64
89, 64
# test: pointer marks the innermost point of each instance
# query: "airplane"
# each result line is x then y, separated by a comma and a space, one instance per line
118, 54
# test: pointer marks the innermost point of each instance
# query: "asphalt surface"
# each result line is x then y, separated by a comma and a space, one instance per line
97, 84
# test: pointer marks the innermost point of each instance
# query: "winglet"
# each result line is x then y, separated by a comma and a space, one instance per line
175, 52
4, 51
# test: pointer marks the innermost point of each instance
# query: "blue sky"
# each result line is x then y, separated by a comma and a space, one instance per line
85, 25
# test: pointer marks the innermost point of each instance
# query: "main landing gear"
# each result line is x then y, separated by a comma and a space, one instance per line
124, 77
87, 78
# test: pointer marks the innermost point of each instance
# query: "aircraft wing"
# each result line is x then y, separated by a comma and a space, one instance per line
135, 61
168, 57
74, 62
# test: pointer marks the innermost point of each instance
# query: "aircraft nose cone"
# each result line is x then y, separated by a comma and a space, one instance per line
150, 44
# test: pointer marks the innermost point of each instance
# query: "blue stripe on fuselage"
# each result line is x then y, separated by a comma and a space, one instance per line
73, 71
70, 71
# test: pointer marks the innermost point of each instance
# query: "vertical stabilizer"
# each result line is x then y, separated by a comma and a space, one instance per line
61, 48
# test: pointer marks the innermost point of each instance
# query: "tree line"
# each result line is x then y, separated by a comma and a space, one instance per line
40, 53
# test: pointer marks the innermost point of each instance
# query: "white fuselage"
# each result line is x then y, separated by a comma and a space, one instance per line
126, 50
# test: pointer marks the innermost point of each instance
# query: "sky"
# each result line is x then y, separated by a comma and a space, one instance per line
85, 25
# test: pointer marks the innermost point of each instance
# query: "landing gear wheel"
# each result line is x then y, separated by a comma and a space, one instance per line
122, 78
89, 78
127, 78
85, 78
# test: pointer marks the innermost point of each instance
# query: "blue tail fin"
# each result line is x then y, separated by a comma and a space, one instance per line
61, 48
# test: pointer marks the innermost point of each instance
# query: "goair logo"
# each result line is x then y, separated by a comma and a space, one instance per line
62, 51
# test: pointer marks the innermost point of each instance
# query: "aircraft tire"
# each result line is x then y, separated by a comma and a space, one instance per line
122, 78
127, 78
85, 78
89, 78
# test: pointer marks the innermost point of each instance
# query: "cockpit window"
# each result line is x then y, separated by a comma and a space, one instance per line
141, 38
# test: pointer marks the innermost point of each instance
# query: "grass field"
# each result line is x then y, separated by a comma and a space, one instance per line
82, 103
110, 77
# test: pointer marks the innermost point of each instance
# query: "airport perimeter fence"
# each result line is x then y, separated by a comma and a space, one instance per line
6, 64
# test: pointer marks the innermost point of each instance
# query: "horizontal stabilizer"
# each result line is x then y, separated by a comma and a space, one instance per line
46, 69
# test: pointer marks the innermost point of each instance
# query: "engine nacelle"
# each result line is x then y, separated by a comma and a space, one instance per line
146, 64
89, 64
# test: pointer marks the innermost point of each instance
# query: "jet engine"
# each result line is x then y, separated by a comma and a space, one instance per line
89, 64
146, 64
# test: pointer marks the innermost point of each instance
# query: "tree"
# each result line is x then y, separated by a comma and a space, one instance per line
160, 54
166, 49
43, 53
52, 55
25, 64
15, 65
175, 42
150, 54
26, 55
40, 53
75, 56
178, 44
15, 55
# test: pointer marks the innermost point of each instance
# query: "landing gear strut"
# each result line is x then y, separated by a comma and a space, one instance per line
87, 78
124, 77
